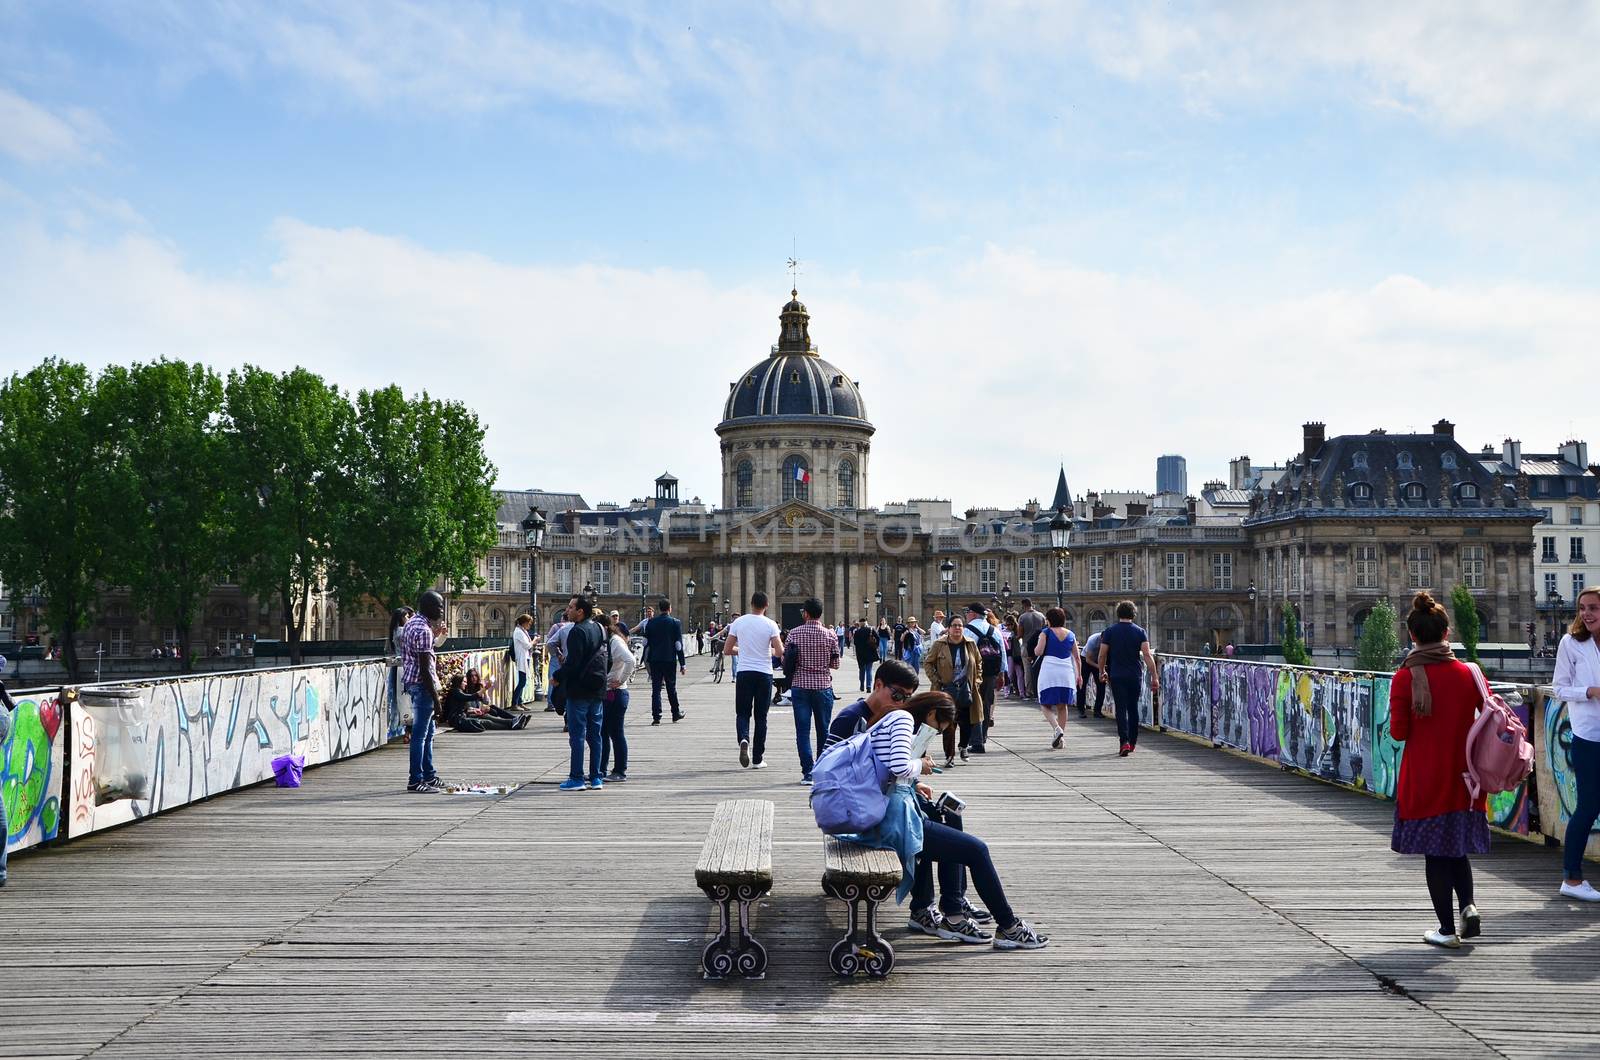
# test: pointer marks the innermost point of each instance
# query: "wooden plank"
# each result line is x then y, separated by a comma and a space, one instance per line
858, 864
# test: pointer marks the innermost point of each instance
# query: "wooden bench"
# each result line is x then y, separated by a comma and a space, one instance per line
857, 876
736, 866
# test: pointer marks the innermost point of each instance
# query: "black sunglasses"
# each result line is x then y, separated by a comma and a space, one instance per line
897, 696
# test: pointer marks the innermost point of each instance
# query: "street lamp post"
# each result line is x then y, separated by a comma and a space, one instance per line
533, 528
688, 592
947, 576
877, 598
1251, 592
1060, 539
901, 590
1005, 596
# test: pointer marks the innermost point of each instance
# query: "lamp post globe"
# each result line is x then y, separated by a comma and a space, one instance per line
901, 590
877, 598
1060, 540
947, 577
533, 529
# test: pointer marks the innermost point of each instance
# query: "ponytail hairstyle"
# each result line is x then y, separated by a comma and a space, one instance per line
1428, 621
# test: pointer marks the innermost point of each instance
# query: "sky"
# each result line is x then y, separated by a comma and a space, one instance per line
1035, 233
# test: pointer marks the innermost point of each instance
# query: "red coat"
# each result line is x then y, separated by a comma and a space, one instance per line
1435, 757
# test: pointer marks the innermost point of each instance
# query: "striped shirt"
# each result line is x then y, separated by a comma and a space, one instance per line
891, 745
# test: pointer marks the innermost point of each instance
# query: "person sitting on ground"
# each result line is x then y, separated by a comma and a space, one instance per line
952, 665
465, 709
952, 850
1433, 701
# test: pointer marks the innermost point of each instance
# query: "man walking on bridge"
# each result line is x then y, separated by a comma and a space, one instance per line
817, 656
663, 653
753, 641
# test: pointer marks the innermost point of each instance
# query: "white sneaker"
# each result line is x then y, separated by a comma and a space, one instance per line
1581, 891
1439, 938
758, 765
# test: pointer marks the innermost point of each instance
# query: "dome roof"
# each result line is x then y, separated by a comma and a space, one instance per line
794, 382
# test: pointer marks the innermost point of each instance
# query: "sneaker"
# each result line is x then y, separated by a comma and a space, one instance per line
655, 721
758, 765
744, 753
679, 716
618, 777
571, 785
1125, 750
928, 921
1581, 891
1020, 936
1055, 745
963, 754
978, 749
806, 780
1439, 938
1471, 923
949, 763
982, 916
427, 787
963, 930
596, 784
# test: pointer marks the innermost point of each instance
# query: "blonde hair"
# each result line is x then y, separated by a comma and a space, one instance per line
1578, 630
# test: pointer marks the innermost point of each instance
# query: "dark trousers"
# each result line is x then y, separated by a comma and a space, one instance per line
1586, 774
663, 673
1092, 674
922, 886
752, 695
1125, 693
991, 674
1448, 877
952, 851
613, 741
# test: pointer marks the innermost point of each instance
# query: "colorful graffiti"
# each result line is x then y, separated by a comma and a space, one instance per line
142, 749
30, 771
1512, 810
1554, 780
1304, 725
1186, 695
1386, 750
493, 666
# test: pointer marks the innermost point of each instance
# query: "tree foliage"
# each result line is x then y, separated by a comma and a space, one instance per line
1294, 648
175, 535
418, 502
59, 480
1464, 618
1380, 639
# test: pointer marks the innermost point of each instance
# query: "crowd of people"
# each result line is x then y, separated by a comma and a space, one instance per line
969, 659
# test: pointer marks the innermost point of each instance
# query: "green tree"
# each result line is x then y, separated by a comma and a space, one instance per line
1465, 620
60, 477
1380, 641
418, 503
1294, 649
284, 437
174, 544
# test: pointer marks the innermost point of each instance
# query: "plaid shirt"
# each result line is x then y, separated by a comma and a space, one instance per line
416, 641
819, 649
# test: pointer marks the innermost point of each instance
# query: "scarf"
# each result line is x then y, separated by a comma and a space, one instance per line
1424, 655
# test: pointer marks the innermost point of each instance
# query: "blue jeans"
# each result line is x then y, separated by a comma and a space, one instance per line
516, 693
421, 735
1125, 693
914, 659
866, 675
612, 738
813, 707
585, 721
1586, 772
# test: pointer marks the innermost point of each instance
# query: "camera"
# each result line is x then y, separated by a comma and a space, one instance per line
948, 802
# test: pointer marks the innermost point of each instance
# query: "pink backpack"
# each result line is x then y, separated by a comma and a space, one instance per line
1499, 754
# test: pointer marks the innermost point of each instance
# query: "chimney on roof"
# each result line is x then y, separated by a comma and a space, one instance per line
1575, 452
1239, 473
1511, 453
1446, 428
1137, 509
1315, 434
1102, 510
1191, 504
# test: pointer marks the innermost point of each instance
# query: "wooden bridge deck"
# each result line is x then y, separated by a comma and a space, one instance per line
1199, 904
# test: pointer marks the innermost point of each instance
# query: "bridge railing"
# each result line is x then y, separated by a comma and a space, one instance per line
1334, 725
82, 758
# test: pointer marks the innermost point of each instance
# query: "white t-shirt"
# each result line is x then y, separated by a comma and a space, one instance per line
754, 633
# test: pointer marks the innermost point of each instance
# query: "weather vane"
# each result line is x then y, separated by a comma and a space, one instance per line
794, 267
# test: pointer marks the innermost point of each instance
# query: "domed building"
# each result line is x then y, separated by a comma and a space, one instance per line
794, 428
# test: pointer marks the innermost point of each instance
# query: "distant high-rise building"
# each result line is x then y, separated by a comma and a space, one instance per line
1172, 475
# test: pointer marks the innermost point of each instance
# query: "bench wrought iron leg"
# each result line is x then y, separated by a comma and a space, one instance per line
727, 954
860, 950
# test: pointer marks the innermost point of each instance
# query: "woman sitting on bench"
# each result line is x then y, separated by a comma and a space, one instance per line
466, 711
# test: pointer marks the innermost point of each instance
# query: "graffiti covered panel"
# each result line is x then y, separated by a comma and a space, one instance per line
31, 764
1511, 809
1186, 695
1304, 727
493, 666
1386, 750
1230, 704
1350, 710
1552, 768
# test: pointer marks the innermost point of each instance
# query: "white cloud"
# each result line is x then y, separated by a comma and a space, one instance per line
36, 134
979, 376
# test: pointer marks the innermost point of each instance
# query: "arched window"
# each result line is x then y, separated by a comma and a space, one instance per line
1097, 621
1414, 492
1467, 491
1447, 461
1361, 491
796, 479
1402, 460
1359, 458
847, 484
744, 480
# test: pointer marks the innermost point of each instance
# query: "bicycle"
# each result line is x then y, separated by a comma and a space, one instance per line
719, 661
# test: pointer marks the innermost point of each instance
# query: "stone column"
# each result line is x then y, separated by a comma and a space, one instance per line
840, 614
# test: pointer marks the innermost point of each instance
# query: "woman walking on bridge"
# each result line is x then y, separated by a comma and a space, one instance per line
1577, 685
1433, 702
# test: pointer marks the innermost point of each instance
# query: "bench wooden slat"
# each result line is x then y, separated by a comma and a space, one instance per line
859, 864
738, 848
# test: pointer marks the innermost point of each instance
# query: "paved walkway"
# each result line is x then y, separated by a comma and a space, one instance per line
1200, 904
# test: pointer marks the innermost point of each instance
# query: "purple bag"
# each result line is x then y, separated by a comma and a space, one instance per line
288, 769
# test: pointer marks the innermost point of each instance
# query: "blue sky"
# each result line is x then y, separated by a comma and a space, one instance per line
1087, 232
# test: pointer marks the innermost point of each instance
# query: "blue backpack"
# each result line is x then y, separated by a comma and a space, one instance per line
847, 788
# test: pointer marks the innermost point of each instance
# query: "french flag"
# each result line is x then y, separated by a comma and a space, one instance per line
801, 473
